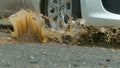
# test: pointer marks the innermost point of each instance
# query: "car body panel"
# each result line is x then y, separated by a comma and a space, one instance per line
94, 13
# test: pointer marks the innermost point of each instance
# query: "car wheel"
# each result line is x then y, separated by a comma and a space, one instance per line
61, 10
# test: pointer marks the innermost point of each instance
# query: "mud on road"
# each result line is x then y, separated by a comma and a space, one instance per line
65, 48
78, 33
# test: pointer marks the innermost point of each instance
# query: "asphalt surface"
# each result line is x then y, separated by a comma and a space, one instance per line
50, 55
36, 55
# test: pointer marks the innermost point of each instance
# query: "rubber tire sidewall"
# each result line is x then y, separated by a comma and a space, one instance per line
76, 9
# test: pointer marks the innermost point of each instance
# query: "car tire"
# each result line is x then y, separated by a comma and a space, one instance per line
60, 11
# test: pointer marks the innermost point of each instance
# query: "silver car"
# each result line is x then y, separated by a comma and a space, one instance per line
95, 12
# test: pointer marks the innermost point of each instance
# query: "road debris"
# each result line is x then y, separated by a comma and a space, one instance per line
30, 25
26, 22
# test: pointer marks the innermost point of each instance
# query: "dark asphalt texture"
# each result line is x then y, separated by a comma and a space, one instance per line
36, 55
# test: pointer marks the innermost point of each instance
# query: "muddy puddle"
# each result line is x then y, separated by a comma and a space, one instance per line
31, 27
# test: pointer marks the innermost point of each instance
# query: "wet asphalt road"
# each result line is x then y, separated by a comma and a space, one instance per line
36, 55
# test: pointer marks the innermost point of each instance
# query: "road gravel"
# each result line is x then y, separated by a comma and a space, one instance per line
51, 55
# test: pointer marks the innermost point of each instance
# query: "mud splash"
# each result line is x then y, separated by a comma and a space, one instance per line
26, 23
78, 33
